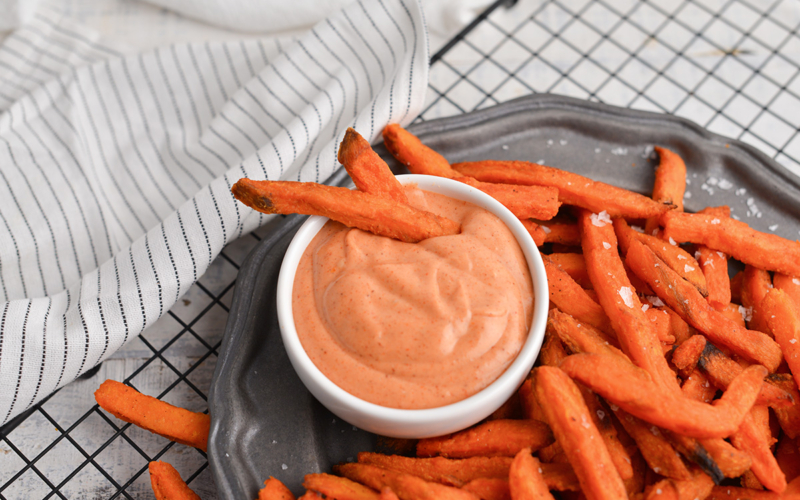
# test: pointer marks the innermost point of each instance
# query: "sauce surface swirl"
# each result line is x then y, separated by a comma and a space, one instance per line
414, 325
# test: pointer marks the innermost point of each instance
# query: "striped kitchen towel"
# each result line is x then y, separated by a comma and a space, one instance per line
115, 170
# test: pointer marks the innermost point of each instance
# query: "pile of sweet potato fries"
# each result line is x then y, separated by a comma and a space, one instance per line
659, 377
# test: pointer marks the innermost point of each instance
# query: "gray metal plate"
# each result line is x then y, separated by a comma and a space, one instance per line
264, 422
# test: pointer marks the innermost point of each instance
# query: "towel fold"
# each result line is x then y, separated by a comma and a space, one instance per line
115, 171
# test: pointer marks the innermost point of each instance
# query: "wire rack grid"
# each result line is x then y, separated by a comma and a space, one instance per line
730, 65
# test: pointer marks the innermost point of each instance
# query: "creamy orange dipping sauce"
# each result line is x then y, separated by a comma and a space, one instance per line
414, 325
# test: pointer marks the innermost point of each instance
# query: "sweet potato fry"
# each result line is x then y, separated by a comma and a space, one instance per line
678, 259
750, 439
376, 214
573, 264
369, 172
572, 425
787, 454
749, 480
735, 313
531, 409
535, 230
633, 390
783, 319
552, 352
601, 418
496, 438
274, 489
697, 386
670, 183
448, 471
715, 456
489, 488
790, 285
730, 461
699, 486
735, 238
715, 269
337, 487
525, 480
755, 285
659, 319
653, 445
388, 494
167, 483
573, 189
634, 333
686, 356
788, 416
678, 327
553, 454
560, 477
563, 233
406, 486
722, 370
734, 493
687, 301
176, 424
635, 485
419, 158
568, 296
579, 337
525, 202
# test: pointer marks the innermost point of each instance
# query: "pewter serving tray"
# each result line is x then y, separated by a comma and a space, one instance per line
264, 422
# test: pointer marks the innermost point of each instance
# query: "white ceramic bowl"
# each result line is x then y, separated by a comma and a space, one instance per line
422, 423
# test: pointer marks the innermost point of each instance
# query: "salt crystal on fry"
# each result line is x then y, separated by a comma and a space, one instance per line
601, 219
627, 296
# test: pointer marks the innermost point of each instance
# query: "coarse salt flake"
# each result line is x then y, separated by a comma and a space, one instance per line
687, 268
645, 307
655, 301
613, 407
584, 422
545, 229
672, 242
658, 491
601, 414
746, 312
638, 229
796, 281
681, 257
715, 221
606, 245
627, 296
721, 255
284, 466
793, 341
773, 227
601, 219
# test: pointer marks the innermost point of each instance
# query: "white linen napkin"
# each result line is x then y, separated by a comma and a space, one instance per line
115, 172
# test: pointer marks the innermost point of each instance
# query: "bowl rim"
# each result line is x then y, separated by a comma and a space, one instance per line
475, 404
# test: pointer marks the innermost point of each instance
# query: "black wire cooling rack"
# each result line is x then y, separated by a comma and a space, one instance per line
730, 65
